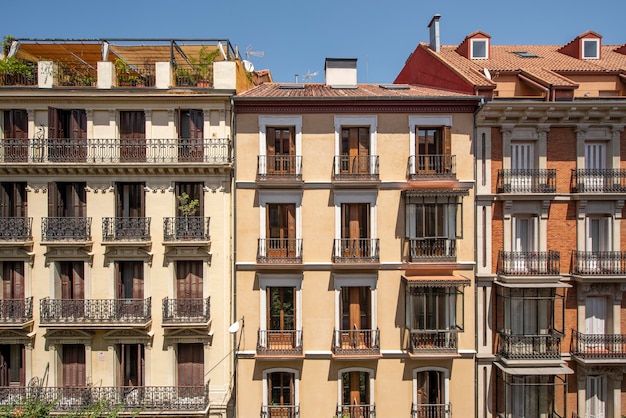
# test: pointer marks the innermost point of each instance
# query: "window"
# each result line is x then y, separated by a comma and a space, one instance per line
355, 231
281, 150
596, 396
13, 200
15, 138
132, 136
67, 200
430, 395
191, 366
12, 362
356, 392
433, 150
280, 393
131, 364
190, 135
281, 308
355, 153
281, 230
67, 135
71, 281
13, 283
281, 315
129, 280
479, 48
591, 48
189, 279
194, 206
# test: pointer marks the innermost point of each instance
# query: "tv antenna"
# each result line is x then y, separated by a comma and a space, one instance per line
309, 75
252, 53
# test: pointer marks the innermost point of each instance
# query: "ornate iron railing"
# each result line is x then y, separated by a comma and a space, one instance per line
529, 347
432, 249
356, 342
75, 75
95, 311
599, 262
424, 166
598, 346
125, 229
598, 181
182, 311
521, 263
439, 341
279, 342
279, 250
200, 76
110, 150
280, 411
66, 229
431, 410
27, 75
186, 228
526, 181
355, 167
356, 250
16, 311
135, 75
16, 229
356, 411
125, 398
279, 167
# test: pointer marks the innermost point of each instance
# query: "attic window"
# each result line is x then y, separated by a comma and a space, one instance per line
591, 49
479, 49
524, 54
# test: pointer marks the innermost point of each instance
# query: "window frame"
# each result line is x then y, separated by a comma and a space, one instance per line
585, 42
484, 41
296, 384
451, 202
273, 281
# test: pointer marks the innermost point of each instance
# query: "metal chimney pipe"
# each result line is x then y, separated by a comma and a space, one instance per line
435, 42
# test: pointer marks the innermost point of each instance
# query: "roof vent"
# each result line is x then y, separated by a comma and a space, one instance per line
435, 41
340, 71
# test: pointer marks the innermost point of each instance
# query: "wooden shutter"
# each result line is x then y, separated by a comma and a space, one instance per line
78, 199
189, 281
78, 124
129, 279
447, 141
55, 130
130, 200
74, 365
13, 280
13, 200
16, 124
132, 136
190, 364
78, 280
5, 353
196, 124
55, 201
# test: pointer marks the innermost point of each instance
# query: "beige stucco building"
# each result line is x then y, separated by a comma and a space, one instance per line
354, 249
116, 224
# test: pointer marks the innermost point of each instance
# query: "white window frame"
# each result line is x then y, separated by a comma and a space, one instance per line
446, 381
424, 122
352, 280
282, 280
361, 121
278, 121
589, 41
269, 197
352, 196
479, 40
296, 384
355, 369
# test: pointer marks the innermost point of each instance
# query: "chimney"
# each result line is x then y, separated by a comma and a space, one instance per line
340, 72
435, 43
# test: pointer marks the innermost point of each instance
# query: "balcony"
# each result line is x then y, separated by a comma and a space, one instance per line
282, 411
529, 347
102, 313
431, 410
15, 312
131, 399
279, 251
598, 263
16, 229
432, 249
116, 150
356, 250
526, 181
598, 181
279, 169
279, 343
355, 168
531, 263
356, 343
125, 229
356, 411
599, 347
186, 228
186, 312
66, 229
432, 166
434, 342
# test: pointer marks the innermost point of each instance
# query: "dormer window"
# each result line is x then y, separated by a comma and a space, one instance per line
591, 49
479, 49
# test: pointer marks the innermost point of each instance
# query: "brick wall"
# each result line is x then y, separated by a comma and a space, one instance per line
497, 233
561, 151
496, 156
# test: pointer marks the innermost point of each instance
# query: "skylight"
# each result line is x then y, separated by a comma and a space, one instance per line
292, 86
525, 54
394, 86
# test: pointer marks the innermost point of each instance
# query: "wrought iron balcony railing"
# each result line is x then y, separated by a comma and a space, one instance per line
154, 399
279, 167
359, 342
434, 341
186, 228
16, 311
598, 346
432, 249
427, 166
66, 229
356, 250
279, 251
125, 229
279, 343
118, 150
356, 411
186, 311
355, 167
526, 181
598, 181
75, 75
431, 410
135, 76
523, 263
95, 311
280, 411
200, 76
16, 229
529, 347
599, 263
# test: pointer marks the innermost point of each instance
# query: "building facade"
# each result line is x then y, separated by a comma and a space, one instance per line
354, 249
550, 182
116, 224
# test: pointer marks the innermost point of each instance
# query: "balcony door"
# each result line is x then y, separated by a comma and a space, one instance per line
190, 369
13, 307
433, 150
355, 150
595, 164
130, 200
355, 394
525, 243
281, 390
355, 230
67, 135
12, 362
598, 240
132, 364
190, 135
15, 135
430, 395
281, 233
132, 136
356, 319
13, 200
72, 291
596, 397
522, 162
596, 318
73, 365
281, 317
281, 150
129, 289
189, 289
67, 200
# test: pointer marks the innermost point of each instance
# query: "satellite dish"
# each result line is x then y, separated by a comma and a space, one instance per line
234, 327
248, 66
221, 48
487, 73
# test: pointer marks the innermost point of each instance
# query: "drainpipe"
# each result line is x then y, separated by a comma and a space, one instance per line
234, 252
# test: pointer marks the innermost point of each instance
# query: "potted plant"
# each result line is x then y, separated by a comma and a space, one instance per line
187, 208
203, 66
185, 77
14, 71
127, 75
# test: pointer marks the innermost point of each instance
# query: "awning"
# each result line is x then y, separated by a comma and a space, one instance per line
444, 280
527, 371
527, 285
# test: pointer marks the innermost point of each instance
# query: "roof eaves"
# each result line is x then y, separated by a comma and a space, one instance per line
453, 68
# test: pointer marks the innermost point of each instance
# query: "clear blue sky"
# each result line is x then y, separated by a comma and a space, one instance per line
297, 35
